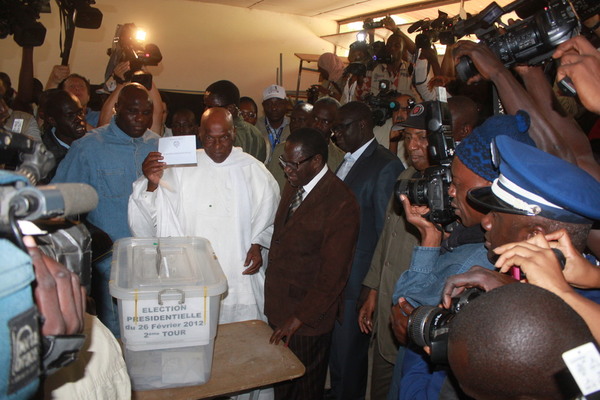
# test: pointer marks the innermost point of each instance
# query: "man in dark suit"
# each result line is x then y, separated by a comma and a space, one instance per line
311, 253
370, 170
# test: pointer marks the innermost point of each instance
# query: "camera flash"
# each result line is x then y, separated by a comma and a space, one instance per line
140, 35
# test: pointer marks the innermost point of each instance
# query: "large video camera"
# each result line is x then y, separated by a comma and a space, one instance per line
429, 325
432, 189
21, 20
384, 104
530, 41
129, 46
432, 31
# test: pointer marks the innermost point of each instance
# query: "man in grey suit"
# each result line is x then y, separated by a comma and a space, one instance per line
370, 170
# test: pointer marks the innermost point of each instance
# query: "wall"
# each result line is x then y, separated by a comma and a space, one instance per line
201, 43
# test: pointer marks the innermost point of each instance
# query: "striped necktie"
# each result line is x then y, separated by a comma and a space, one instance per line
296, 201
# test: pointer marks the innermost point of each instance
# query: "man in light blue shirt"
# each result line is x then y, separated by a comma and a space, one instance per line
110, 159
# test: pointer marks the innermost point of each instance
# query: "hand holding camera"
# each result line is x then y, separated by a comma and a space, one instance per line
580, 62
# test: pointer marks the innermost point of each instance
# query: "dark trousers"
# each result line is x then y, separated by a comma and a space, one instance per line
382, 373
313, 351
349, 360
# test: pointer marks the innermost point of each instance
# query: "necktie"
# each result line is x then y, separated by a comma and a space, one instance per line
346, 166
296, 201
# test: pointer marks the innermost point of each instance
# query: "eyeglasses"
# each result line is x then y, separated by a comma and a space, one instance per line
341, 127
249, 114
293, 164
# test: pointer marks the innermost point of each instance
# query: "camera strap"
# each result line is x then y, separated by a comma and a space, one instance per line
59, 351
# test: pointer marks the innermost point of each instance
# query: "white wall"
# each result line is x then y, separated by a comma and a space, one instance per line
201, 43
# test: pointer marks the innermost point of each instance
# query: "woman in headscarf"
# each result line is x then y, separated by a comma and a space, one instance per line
331, 68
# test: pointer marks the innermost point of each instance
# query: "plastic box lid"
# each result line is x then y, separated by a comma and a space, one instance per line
145, 266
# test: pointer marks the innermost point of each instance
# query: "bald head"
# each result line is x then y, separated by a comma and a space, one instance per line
507, 344
465, 116
217, 133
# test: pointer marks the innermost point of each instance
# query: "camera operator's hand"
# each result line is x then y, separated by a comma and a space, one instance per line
389, 23
577, 271
476, 277
487, 63
399, 319
120, 70
153, 169
438, 81
580, 61
430, 235
59, 73
58, 294
366, 312
537, 260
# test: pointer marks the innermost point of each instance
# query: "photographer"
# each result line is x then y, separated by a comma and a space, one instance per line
557, 205
435, 259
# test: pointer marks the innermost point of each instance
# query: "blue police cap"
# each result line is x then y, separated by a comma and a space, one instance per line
533, 182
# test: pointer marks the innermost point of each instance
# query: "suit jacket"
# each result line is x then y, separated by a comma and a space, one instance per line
311, 255
372, 180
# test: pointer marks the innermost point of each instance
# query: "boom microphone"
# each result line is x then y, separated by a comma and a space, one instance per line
61, 200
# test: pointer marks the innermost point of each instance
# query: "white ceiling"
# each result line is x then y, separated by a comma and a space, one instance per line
343, 9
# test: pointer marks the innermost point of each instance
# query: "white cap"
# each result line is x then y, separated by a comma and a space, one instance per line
274, 91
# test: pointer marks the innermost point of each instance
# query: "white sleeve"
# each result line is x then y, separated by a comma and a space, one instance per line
141, 210
265, 203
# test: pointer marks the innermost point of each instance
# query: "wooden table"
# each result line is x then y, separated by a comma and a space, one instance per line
243, 360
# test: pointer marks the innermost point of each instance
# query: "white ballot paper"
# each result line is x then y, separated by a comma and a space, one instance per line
178, 150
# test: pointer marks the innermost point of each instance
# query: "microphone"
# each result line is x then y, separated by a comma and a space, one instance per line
61, 200
415, 26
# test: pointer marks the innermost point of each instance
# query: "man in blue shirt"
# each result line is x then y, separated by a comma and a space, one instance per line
110, 159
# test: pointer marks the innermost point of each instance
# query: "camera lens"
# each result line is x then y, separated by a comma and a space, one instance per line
414, 189
420, 324
465, 69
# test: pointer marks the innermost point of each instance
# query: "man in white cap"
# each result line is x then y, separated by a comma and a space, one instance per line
274, 125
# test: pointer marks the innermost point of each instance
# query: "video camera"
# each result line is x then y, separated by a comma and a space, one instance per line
429, 325
129, 46
530, 41
384, 104
432, 31
432, 189
21, 20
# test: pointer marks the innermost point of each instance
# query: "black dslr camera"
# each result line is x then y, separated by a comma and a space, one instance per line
530, 41
432, 189
429, 325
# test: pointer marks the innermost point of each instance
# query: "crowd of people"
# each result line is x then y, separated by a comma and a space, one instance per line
299, 204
